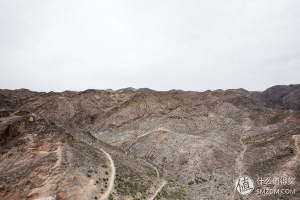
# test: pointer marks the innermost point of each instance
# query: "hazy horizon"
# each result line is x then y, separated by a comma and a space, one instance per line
191, 46
138, 89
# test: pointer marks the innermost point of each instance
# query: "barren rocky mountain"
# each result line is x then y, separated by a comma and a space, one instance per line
145, 144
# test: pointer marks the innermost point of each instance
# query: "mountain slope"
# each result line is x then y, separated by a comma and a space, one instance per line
197, 142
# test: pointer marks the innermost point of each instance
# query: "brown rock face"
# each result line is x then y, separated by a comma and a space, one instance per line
282, 97
168, 145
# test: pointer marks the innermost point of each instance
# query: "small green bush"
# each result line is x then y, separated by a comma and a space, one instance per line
191, 183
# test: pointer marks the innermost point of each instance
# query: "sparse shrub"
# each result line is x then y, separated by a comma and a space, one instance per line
276, 118
291, 150
191, 183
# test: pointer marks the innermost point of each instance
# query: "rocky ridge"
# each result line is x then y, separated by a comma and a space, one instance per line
174, 144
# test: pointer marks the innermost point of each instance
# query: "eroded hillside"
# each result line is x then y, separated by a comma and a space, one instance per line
163, 145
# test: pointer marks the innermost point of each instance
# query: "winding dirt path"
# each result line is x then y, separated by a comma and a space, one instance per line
158, 190
164, 182
155, 168
240, 158
112, 177
288, 118
143, 135
239, 163
152, 131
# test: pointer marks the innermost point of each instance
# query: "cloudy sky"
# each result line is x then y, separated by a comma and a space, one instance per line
191, 45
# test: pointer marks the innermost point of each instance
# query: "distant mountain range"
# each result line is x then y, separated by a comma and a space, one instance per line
162, 144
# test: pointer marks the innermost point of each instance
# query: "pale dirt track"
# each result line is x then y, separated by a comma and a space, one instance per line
158, 190
112, 177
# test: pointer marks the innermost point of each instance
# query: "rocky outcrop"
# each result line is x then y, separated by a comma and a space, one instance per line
281, 96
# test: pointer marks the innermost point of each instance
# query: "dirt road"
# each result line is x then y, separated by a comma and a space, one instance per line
112, 177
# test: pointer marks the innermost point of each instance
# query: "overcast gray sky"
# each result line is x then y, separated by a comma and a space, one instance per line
191, 45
